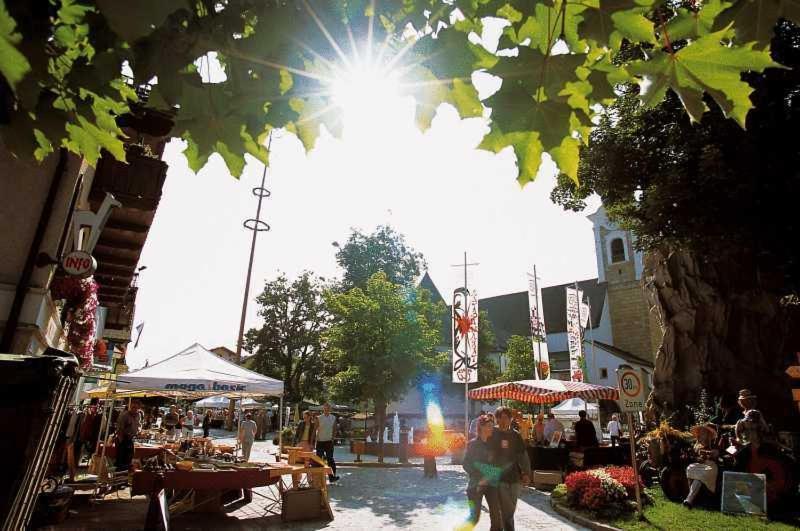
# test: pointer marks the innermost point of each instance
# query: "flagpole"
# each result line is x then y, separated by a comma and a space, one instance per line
538, 316
466, 351
591, 332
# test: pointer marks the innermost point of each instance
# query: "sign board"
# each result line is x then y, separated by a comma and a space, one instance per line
632, 392
78, 264
744, 493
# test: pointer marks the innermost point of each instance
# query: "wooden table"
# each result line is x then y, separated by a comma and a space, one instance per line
198, 490
140, 451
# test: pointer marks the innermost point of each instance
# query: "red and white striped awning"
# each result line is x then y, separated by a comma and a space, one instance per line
544, 391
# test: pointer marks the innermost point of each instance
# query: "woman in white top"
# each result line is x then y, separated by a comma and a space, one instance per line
614, 429
188, 425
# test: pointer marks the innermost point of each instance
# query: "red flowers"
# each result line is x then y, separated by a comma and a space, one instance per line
600, 488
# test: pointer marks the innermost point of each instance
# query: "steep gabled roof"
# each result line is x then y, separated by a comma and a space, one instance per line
427, 283
555, 303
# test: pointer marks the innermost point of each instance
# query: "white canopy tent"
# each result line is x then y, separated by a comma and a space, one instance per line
569, 408
195, 371
222, 402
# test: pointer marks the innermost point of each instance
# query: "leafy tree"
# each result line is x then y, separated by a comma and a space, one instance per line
287, 345
384, 250
60, 64
520, 361
715, 207
382, 338
710, 187
520, 365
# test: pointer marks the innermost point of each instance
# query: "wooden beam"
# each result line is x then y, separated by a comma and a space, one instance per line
124, 225
109, 259
117, 243
110, 280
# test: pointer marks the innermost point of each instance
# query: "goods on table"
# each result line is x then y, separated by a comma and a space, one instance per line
185, 465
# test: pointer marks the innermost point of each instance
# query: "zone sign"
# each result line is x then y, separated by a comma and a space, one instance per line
632, 396
79, 264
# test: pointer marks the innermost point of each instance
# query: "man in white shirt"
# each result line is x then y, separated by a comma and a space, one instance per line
326, 432
551, 426
614, 429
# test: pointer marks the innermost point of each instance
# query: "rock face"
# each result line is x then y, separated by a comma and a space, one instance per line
725, 329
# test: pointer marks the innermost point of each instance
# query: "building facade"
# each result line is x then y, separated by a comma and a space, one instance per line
621, 331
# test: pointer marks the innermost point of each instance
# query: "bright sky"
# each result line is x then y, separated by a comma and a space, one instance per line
436, 188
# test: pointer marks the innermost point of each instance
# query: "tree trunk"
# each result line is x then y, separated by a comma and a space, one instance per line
725, 329
380, 418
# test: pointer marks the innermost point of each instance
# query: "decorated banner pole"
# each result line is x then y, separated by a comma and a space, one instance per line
464, 328
538, 331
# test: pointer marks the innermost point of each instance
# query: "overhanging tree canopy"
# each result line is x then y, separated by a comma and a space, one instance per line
560, 62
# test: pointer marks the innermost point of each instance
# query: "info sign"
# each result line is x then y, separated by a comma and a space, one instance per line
632, 389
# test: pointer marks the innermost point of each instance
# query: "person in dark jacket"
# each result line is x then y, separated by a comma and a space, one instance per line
511, 456
483, 475
585, 434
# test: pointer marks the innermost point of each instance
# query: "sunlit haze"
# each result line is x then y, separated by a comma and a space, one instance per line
435, 187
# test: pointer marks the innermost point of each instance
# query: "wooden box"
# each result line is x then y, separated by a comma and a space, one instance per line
303, 504
547, 479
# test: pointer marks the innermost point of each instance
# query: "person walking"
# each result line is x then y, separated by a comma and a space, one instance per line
206, 423
326, 433
247, 435
614, 429
483, 475
511, 457
473, 425
188, 425
127, 429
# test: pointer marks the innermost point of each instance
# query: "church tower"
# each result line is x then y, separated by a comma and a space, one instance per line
633, 327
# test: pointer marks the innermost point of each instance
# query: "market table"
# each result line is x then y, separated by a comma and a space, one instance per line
544, 458
208, 490
607, 455
140, 451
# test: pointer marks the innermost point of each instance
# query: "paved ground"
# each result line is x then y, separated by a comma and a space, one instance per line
363, 499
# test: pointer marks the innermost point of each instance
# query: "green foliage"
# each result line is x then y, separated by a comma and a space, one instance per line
13, 65
710, 187
520, 362
561, 63
384, 250
381, 339
287, 345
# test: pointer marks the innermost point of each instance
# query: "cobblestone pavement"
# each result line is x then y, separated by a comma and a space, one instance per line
365, 498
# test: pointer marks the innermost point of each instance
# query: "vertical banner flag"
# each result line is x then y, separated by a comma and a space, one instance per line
538, 332
465, 336
574, 301
584, 314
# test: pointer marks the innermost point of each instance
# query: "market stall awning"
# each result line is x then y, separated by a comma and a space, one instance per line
543, 391
196, 371
573, 406
108, 392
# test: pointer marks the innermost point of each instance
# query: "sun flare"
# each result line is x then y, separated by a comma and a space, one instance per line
368, 97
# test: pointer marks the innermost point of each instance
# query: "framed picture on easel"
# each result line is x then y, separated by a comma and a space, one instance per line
555, 439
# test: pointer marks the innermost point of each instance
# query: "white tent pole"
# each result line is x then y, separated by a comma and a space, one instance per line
280, 427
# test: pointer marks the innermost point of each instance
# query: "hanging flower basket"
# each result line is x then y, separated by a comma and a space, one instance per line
80, 295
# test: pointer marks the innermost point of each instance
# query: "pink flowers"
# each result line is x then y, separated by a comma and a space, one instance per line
600, 488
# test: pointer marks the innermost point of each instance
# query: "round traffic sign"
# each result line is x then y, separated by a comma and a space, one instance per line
630, 384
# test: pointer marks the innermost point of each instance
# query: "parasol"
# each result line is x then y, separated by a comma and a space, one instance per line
544, 391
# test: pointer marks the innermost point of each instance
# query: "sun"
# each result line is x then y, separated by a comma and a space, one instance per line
368, 97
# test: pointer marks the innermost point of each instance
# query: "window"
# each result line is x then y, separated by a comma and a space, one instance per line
617, 250
603, 373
